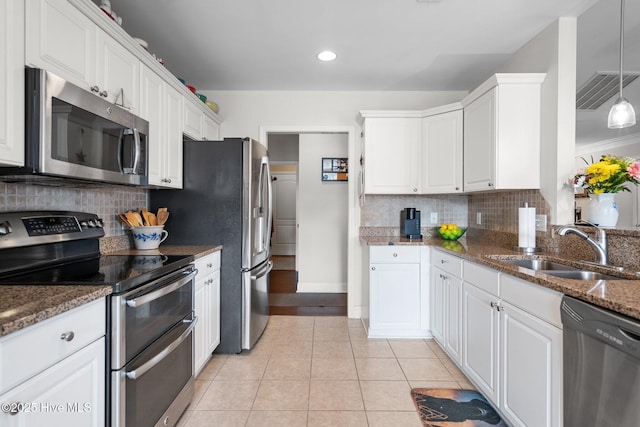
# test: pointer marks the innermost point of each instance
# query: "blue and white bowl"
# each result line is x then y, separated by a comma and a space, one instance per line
149, 237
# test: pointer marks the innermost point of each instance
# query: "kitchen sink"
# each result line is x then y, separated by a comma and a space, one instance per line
539, 264
558, 269
581, 275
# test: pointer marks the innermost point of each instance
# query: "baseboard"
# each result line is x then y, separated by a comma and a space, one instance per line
322, 288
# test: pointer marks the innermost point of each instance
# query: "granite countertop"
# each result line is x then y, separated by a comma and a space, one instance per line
195, 250
25, 305
620, 295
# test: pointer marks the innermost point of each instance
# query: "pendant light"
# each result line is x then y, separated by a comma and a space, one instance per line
622, 114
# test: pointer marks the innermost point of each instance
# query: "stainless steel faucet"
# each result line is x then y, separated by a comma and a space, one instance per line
599, 244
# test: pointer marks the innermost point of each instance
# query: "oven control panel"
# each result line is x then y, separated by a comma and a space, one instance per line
51, 225
38, 227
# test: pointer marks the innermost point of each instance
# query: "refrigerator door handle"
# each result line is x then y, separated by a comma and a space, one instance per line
264, 210
263, 272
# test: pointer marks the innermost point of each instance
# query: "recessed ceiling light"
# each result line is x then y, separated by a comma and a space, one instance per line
327, 55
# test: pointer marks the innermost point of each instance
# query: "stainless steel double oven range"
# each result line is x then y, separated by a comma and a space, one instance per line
150, 320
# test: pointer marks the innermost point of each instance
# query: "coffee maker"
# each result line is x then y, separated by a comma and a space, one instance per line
410, 223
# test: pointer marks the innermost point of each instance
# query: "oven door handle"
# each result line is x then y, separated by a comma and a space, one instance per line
139, 372
136, 302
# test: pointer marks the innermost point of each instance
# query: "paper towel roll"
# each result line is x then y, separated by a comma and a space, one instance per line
527, 227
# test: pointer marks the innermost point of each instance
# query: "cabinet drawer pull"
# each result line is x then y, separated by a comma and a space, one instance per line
104, 94
67, 336
95, 89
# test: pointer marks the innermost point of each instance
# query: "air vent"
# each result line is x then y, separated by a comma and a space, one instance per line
600, 88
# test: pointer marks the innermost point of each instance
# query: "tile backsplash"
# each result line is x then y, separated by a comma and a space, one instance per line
499, 210
106, 202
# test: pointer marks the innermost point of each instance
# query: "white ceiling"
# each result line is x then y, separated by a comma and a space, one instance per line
382, 45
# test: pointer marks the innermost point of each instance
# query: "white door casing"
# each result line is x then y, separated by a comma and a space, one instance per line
284, 213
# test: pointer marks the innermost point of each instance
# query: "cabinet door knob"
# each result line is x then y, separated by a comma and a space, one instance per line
415, 190
490, 184
373, 268
67, 336
104, 94
395, 255
443, 261
95, 89
457, 188
209, 265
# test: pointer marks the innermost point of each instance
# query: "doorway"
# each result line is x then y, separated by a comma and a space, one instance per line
314, 232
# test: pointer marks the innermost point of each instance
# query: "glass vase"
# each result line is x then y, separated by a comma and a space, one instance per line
602, 210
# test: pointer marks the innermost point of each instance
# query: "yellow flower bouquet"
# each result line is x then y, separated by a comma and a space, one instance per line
609, 175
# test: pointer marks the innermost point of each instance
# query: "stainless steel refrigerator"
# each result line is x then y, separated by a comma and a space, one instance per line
226, 200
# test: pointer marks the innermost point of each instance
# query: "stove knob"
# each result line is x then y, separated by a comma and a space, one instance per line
99, 223
83, 224
5, 228
91, 223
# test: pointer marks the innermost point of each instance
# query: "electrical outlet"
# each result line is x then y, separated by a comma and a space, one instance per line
434, 217
478, 217
541, 223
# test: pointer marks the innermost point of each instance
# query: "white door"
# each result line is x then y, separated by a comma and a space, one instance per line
283, 241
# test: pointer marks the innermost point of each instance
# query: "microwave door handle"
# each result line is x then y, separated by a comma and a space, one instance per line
136, 157
120, 141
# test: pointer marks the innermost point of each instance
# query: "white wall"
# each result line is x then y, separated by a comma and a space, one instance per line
244, 112
553, 51
627, 201
322, 217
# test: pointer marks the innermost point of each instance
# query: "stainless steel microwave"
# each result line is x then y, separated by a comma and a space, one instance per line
72, 134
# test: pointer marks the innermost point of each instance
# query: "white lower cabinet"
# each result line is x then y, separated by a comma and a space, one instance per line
70, 393
446, 303
481, 340
207, 309
53, 373
398, 292
512, 345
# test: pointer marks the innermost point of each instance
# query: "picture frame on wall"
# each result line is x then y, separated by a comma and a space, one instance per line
335, 169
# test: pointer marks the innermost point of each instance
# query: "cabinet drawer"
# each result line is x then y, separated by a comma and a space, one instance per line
33, 349
482, 277
208, 264
449, 263
538, 301
394, 254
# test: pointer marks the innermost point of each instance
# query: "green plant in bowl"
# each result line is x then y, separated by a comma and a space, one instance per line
451, 231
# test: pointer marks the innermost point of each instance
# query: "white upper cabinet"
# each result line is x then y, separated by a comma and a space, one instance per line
502, 133
390, 148
12, 83
211, 129
193, 120
441, 165
61, 39
413, 152
118, 73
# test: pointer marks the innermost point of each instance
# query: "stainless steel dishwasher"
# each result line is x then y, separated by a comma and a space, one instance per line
601, 366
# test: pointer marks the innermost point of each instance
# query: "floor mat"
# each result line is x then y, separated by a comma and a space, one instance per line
439, 407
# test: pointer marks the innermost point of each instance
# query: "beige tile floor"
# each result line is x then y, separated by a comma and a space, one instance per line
319, 371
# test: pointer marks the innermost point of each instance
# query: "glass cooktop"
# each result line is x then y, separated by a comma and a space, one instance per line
122, 272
